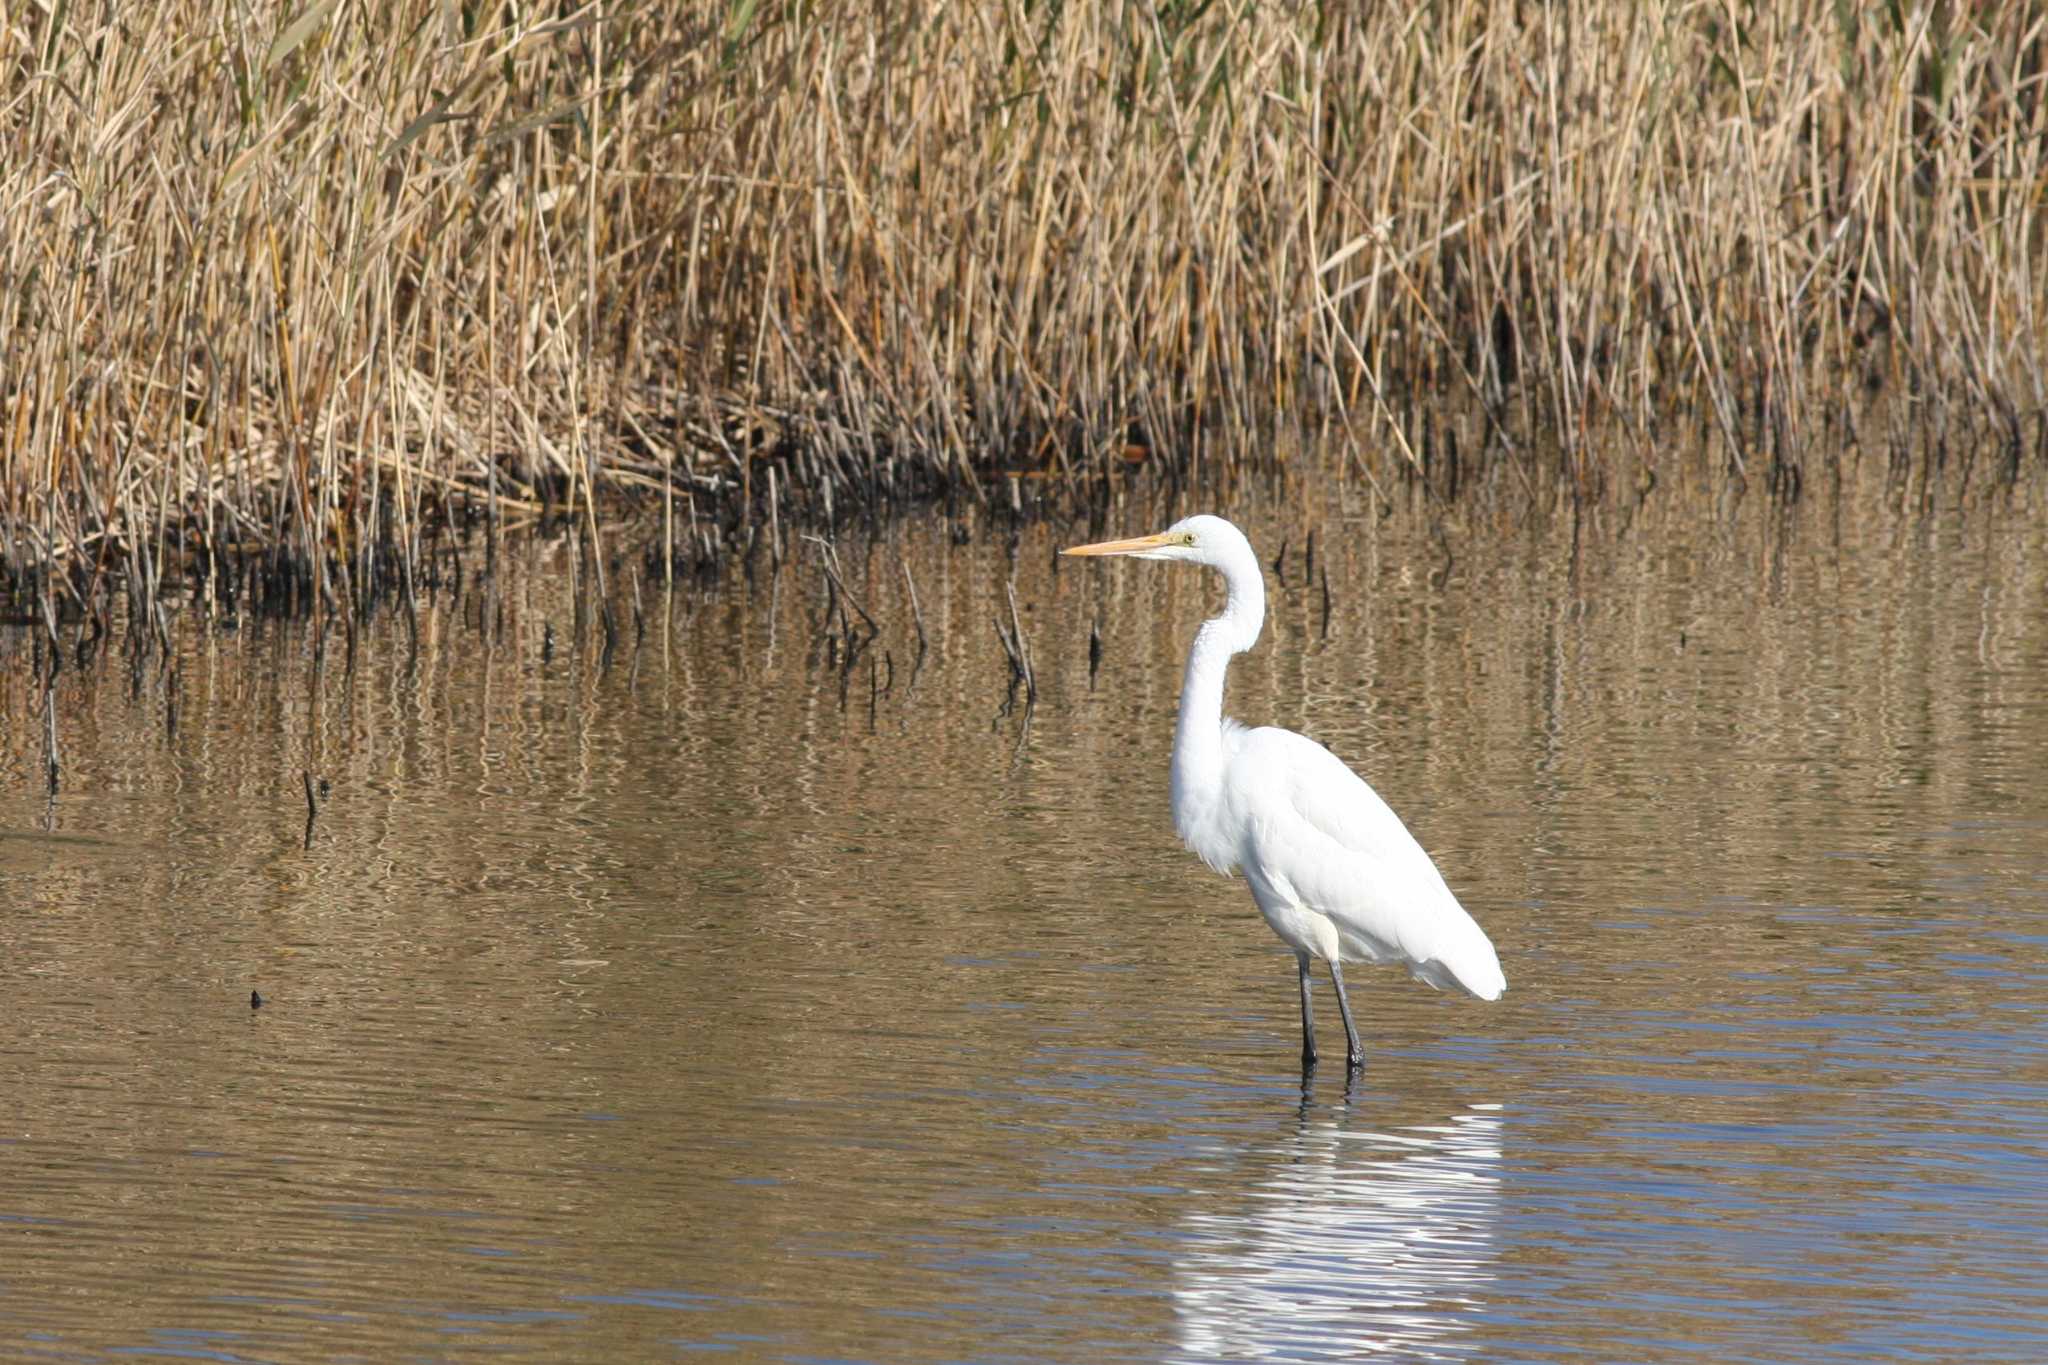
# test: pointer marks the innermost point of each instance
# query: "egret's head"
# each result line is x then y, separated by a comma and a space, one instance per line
1195, 540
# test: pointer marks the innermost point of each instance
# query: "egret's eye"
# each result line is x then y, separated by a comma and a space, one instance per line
1187, 537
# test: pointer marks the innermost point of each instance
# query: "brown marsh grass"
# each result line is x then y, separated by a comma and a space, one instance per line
291, 284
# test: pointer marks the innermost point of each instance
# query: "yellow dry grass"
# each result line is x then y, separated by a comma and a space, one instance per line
289, 276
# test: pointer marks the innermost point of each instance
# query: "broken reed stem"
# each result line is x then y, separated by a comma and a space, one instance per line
1010, 652
828, 559
1023, 644
1018, 650
50, 760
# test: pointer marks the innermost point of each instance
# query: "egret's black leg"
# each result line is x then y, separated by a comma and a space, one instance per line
1354, 1055
1308, 1016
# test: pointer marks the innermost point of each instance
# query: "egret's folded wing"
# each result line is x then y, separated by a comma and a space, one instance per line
1344, 852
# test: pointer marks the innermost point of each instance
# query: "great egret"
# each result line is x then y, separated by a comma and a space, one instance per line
1334, 871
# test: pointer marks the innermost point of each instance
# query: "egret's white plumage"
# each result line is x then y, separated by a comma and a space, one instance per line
1334, 871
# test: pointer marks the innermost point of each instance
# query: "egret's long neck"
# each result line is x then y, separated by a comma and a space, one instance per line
1198, 738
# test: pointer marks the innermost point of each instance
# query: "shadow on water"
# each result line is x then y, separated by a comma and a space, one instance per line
698, 993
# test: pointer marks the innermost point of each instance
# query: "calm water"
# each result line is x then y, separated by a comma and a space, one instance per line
683, 1006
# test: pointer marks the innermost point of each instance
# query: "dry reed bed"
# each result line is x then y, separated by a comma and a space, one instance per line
278, 283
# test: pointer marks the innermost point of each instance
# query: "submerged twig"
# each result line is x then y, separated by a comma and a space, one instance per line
1023, 647
829, 559
50, 762
850, 641
312, 807
1018, 651
916, 610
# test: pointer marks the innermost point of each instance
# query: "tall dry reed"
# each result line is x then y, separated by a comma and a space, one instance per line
286, 279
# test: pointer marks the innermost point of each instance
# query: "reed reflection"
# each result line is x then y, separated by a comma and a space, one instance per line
1354, 1242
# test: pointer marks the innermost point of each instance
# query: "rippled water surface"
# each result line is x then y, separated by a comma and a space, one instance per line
713, 998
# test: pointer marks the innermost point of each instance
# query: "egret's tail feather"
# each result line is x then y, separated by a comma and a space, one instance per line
1475, 977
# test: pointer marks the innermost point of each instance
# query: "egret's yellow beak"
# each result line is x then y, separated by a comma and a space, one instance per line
1122, 547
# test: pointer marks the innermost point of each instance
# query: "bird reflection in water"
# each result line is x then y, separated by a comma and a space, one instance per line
1355, 1243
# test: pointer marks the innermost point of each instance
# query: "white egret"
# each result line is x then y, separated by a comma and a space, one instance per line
1334, 871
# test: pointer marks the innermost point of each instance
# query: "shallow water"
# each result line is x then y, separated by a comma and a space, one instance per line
713, 1001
